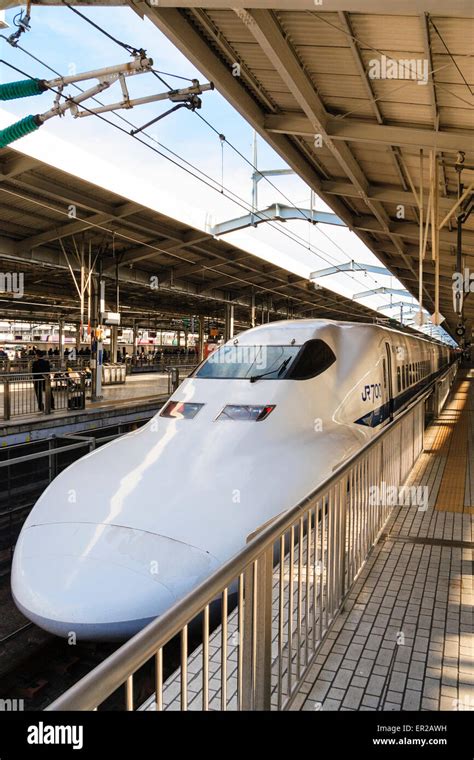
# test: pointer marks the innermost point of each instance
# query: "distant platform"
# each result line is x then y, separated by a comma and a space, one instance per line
140, 397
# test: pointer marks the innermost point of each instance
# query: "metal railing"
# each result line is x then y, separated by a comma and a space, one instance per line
26, 365
177, 374
27, 393
159, 364
276, 598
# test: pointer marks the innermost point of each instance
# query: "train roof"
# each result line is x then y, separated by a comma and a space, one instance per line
298, 331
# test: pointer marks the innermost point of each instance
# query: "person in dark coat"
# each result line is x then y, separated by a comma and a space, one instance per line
40, 368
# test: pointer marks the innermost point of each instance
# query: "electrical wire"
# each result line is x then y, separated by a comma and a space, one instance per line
222, 139
272, 184
207, 181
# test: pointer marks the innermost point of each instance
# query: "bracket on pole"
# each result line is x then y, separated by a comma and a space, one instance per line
106, 77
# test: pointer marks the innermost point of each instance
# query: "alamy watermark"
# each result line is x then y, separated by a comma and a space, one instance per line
245, 355
463, 281
12, 705
385, 495
416, 69
12, 282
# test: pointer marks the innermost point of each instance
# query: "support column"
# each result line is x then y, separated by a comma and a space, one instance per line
252, 311
96, 343
114, 345
135, 340
178, 338
201, 339
229, 322
61, 343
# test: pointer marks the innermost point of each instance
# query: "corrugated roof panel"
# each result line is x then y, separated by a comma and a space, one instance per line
326, 60
446, 71
230, 25
373, 172
411, 114
284, 99
310, 29
342, 86
454, 96
401, 91
456, 118
457, 34
252, 55
361, 108
387, 33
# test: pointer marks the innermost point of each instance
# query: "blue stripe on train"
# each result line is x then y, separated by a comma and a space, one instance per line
377, 416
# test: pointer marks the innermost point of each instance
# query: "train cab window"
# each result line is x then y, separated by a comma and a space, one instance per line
314, 358
244, 362
267, 362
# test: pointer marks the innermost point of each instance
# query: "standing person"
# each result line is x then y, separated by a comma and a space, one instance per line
40, 368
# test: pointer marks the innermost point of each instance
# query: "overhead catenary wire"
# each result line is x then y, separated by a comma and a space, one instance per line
275, 187
222, 139
306, 245
207, 181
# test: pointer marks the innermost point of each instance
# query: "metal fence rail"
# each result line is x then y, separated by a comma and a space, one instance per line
30, 393
26, 365
276, 598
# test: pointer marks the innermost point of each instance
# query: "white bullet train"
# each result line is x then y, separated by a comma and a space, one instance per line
127, 530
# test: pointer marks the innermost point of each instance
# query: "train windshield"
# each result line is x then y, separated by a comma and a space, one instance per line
245, 362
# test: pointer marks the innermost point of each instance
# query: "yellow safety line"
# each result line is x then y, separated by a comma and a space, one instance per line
452, 442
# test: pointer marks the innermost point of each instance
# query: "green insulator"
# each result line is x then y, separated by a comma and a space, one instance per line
19, 129
23, 89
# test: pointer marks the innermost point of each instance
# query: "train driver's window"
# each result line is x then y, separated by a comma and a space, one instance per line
314, 358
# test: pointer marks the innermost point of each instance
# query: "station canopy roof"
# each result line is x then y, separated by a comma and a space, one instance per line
306, 69
166, 269
304, 74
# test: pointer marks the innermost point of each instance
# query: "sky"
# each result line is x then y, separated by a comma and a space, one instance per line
108, 156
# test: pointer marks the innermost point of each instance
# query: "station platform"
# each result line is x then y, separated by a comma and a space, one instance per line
405, 640
138, 398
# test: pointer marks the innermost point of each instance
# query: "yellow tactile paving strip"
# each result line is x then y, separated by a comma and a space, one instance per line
452, 442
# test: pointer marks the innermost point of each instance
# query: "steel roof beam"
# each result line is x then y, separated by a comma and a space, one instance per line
266, 30
367, 132
382, 193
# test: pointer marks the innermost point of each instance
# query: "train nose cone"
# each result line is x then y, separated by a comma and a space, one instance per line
101, 582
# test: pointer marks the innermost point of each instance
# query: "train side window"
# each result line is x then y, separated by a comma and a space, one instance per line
314, 358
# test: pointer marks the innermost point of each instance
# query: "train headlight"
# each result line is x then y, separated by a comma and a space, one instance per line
180, 410
239, 412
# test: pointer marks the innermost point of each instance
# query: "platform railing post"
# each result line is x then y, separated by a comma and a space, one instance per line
47, 394
257, 639
6, 399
